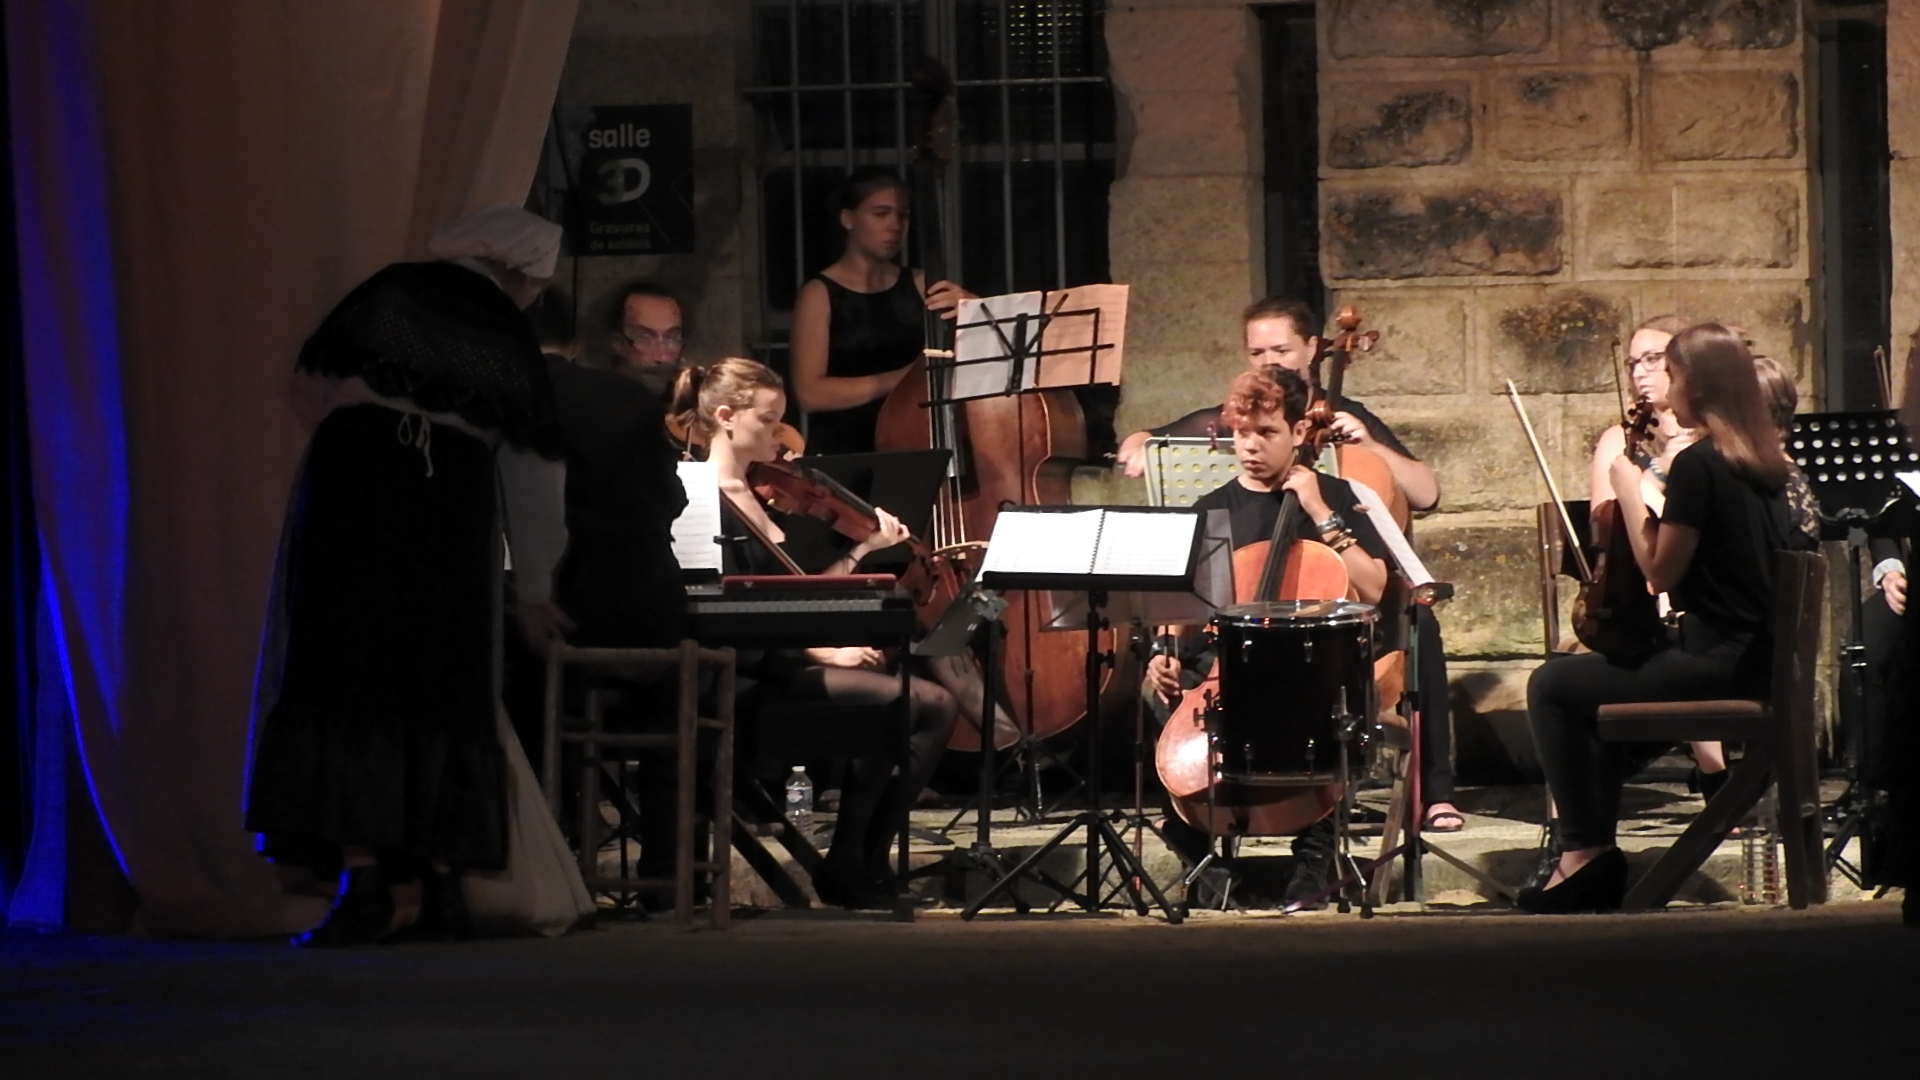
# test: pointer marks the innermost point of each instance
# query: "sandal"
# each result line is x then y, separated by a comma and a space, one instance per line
1443, 818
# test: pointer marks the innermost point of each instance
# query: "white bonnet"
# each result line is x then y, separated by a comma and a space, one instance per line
505, 234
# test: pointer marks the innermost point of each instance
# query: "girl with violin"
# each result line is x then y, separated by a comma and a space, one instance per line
735, 406
1711, 548
1647, 371
1266, 410
858, 325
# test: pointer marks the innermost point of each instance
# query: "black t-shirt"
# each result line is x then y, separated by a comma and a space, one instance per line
1201, 423
1742, 523
1253, 513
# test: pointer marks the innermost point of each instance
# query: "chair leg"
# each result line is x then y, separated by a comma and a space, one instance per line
1745, 784
550, 729
685, 776
1397, 799
590, 791
720, 847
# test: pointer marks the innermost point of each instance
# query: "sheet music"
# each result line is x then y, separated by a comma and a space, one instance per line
1911, 479
1043, 543
979, 352
1080, 313
696, 532
1411, 567
1145, 545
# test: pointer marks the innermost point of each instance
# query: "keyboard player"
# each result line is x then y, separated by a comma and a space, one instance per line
735, 406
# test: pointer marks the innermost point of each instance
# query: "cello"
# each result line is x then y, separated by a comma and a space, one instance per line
1013, 450
1337, 457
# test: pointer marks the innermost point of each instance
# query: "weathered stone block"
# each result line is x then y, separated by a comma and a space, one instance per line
1708, 24
1773, 314
1201, 219
1480, 454
1453, 233
1188, 133
1368, 28
1422, 347
1496, 601
1156, 50
1553, 341
1560, 116
1723, 115
1740, 224
1183, 333
1376, 124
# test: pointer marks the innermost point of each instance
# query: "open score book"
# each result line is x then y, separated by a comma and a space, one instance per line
1098, 542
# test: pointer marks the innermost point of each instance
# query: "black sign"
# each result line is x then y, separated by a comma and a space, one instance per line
632, 179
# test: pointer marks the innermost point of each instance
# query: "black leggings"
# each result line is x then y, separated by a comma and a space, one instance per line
861, 832
1436, 724
1564, 698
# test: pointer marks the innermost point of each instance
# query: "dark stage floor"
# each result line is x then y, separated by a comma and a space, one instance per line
1700, 994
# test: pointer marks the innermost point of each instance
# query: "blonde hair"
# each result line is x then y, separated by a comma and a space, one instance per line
699, 391
1724, 396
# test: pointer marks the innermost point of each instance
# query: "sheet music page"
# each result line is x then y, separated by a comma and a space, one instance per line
1042, 543
977, 337
1080, 313
696, 532
1145, 545
1411, 567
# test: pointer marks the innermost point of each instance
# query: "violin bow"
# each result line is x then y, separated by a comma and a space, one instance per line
1540, 459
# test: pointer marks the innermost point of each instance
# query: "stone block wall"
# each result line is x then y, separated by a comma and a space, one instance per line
1509, 186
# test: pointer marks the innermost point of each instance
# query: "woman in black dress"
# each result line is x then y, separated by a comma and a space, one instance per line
735, 406
860, 323
378, 751
1712, 549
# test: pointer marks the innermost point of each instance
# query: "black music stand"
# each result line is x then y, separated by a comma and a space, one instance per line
1851, 460
1025, 568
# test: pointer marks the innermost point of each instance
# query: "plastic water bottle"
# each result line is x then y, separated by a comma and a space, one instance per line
1760, 854
800, 800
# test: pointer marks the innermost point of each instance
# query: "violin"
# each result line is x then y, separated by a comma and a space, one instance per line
792, 488
1337, 457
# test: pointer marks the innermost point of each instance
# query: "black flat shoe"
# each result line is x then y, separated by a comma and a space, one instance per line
443, 911
361, 915
1599, 886
851, 891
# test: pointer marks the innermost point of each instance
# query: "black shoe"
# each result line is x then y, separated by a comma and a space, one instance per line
850, 891
362, 914
443, 910
1598, 886
1312, 867
1706, 784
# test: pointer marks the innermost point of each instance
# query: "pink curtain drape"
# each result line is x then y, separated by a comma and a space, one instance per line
260, 158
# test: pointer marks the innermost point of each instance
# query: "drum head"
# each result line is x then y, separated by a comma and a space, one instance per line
1288, 612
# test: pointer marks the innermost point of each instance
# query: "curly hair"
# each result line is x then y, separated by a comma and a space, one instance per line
1265, 389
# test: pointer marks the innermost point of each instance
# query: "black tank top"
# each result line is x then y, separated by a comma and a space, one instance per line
867, 334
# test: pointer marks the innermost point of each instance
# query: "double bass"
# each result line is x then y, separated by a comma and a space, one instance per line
1012, 450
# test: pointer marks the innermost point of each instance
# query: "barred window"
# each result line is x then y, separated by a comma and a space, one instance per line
1028, 191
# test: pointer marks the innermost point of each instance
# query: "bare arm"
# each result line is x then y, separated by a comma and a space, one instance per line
812, 386
1415, 479
1612, 444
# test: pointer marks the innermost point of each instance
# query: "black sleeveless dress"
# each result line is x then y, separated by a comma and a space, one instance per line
867, 334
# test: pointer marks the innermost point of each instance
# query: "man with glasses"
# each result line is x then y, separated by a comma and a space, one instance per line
648, 335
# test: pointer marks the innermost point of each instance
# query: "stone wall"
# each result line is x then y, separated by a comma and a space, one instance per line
647, 52
1903, 138
1507, 187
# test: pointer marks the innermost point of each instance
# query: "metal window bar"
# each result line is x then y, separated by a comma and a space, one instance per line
940, 32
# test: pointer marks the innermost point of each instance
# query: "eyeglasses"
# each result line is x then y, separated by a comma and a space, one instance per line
643, 338
1650, 360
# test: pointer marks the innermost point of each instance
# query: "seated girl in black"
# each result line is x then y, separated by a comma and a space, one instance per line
1712, 549
735, 406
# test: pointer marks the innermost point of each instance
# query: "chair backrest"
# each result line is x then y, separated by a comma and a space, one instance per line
1799, 602
1557, 561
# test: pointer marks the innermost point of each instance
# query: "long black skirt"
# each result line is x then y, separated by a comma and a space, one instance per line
383, 734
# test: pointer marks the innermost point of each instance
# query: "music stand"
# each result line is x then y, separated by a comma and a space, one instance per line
1072, 548
1851, 461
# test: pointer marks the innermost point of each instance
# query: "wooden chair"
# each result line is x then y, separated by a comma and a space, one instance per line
1778, 733
601, 671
